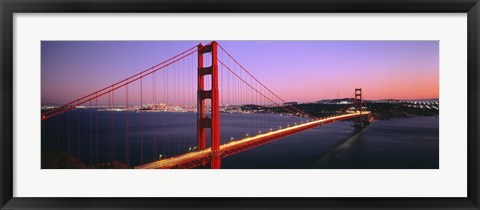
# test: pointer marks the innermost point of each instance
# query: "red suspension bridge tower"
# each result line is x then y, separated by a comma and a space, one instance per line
358, 104
203, 122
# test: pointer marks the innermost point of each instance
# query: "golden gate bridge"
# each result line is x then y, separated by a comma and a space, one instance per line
204, 79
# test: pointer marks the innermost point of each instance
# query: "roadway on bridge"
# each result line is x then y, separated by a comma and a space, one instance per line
225, 148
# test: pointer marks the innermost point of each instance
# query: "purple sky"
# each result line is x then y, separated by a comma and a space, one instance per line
295, 70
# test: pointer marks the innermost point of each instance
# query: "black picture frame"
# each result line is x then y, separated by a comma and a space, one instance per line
9, 7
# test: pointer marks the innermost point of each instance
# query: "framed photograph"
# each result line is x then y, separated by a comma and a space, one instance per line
252, 105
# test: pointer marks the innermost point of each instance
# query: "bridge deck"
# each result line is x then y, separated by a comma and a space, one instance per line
197, 158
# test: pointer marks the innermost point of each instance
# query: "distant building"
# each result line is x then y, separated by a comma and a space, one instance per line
290, 103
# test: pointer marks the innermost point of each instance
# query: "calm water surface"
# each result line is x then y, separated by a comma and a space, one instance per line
397, 143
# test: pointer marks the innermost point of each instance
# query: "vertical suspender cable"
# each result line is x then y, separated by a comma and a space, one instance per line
90, 140
113, 125
96, 123
78, 131
127, 160
141, 120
